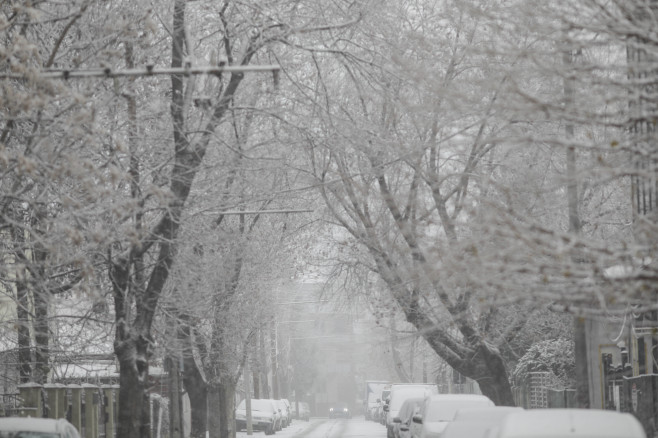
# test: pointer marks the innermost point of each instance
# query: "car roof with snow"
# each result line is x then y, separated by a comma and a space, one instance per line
40, 425
573, 423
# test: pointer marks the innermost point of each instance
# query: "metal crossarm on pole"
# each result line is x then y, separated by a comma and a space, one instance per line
147, 70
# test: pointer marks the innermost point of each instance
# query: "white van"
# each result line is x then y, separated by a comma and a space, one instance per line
570, 423
399, 393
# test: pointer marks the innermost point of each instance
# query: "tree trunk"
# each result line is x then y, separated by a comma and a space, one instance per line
197, 391
214, 409
262, 364
175, 418
133, 413
256, 387
41, 336
580, 356
494, 382
23, 314
227, 409
23, 333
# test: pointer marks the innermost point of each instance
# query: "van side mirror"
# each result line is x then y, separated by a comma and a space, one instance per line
404, 428
385, 408
397, 420
418, 419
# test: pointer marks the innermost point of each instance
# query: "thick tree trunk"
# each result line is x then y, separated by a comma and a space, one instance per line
483, 364
471, 357
197, 391
23, 314
255, 377
175, 418
41, 337
133, 412
23, 332
494, 383
214, 409
580, 355
262, 363
273, 362
227, 409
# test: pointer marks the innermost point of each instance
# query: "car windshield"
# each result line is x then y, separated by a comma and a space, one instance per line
409, 407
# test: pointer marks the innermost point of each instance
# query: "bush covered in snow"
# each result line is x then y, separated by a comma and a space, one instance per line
554, 355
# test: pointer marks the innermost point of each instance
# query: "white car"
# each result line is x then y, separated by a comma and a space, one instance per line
478, 423
402, 422
439, 410
264, 416
36, 428
285, 415
570, 423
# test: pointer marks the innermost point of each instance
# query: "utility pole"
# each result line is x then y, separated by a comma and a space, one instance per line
273, 353
580, 323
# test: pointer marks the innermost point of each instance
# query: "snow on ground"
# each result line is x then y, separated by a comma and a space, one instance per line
319, 427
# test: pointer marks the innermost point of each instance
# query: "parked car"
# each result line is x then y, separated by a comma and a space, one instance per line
399, 393
570, 423
283, 416
402, 423
478, 423
339, 410
381, 413
264, 416
439, 410
11, 427
304, 412
288, 411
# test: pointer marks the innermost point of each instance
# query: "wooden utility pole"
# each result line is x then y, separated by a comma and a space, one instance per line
273, 352
580, 323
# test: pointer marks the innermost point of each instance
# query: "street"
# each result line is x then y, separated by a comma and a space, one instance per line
319, 427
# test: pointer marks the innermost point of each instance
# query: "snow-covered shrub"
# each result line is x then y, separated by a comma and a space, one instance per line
554, 355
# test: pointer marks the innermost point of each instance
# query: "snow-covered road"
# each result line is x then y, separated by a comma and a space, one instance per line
356, 427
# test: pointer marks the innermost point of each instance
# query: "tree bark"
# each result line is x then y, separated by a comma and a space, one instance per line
197, 390
23, 333
134, 403
214, 409
175, 420
227, 411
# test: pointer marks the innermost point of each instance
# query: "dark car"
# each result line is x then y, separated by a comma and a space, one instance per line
339, 410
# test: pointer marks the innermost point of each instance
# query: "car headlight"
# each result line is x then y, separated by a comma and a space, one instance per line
331, 409
345, 410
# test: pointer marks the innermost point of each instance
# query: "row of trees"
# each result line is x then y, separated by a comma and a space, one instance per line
481, 157
470, 161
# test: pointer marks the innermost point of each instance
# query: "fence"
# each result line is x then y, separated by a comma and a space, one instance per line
639, 396
91, 409
538, 391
